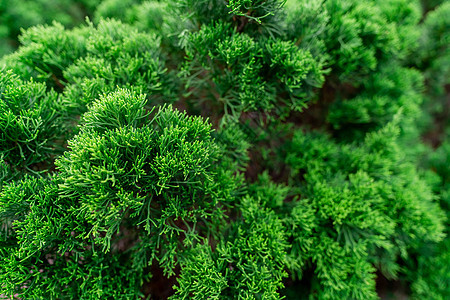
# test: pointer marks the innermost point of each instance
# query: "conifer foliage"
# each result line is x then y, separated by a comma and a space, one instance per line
249, 149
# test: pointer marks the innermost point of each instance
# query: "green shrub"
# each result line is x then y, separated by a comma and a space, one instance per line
155, 178
227, 150
31, 123
90, 60
363, 204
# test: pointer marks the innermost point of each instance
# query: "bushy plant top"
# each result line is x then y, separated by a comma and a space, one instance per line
227, 150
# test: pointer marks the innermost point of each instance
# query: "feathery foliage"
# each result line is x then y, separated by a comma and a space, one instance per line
31, 125
216, 149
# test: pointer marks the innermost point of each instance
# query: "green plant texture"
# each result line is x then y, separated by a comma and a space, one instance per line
16, 15
209, 149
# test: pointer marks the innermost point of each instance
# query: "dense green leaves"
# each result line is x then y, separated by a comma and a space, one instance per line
220, 149
87, 61
31, 125
241, 74
369, 202
159, 174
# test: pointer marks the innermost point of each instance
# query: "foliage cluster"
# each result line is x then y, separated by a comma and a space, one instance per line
248, 149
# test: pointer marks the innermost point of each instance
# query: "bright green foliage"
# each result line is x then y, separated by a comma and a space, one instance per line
255, 251
47, 52
357, 32
272, 195
155, 179
354, 36
150, 172
202, 276
242, 74
247, 265
212, 149
31, 126
362, 204
88, 61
